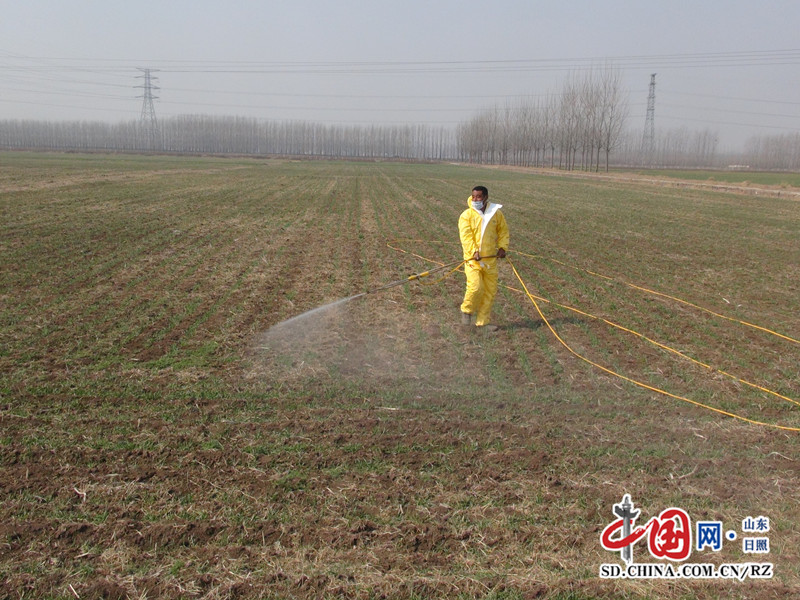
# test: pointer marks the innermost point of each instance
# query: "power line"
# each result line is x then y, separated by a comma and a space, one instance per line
716, 97
717, 109
730, 123
64, 71
710, 59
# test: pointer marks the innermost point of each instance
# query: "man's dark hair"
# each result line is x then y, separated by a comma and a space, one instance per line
482, 189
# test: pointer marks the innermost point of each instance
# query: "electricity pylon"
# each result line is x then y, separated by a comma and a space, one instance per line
148, 120
649, 135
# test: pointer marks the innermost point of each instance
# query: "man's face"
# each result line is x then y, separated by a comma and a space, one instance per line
477, 196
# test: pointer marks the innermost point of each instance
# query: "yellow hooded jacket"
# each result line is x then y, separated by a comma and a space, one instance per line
483, 232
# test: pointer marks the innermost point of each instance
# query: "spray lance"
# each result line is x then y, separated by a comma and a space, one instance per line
453, 266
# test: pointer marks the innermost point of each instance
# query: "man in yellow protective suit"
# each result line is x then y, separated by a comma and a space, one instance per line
484, 236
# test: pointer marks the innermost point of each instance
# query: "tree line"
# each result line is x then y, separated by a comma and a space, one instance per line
779, 152
583, 126
578, 128
202, 134
672, 148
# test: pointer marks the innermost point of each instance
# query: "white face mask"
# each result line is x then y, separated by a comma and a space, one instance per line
477, 206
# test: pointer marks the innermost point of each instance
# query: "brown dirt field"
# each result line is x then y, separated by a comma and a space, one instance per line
205, 447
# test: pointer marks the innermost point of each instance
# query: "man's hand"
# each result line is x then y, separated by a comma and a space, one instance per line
501, 253
477, 255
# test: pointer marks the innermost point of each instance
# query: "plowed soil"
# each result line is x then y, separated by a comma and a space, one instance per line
194, 405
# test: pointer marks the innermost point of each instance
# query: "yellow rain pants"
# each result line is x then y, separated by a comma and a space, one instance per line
484, 232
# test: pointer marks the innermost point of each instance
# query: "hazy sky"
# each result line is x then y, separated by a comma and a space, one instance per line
732, 66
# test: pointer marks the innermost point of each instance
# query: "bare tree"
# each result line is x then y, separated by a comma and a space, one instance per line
613, 111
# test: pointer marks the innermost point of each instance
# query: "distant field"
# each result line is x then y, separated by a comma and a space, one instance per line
784, 180
161, 438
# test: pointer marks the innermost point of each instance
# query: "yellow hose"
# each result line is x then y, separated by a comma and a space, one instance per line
679, 300
634, 381
533, 299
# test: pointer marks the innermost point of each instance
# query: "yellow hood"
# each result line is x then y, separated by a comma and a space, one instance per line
484, 232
